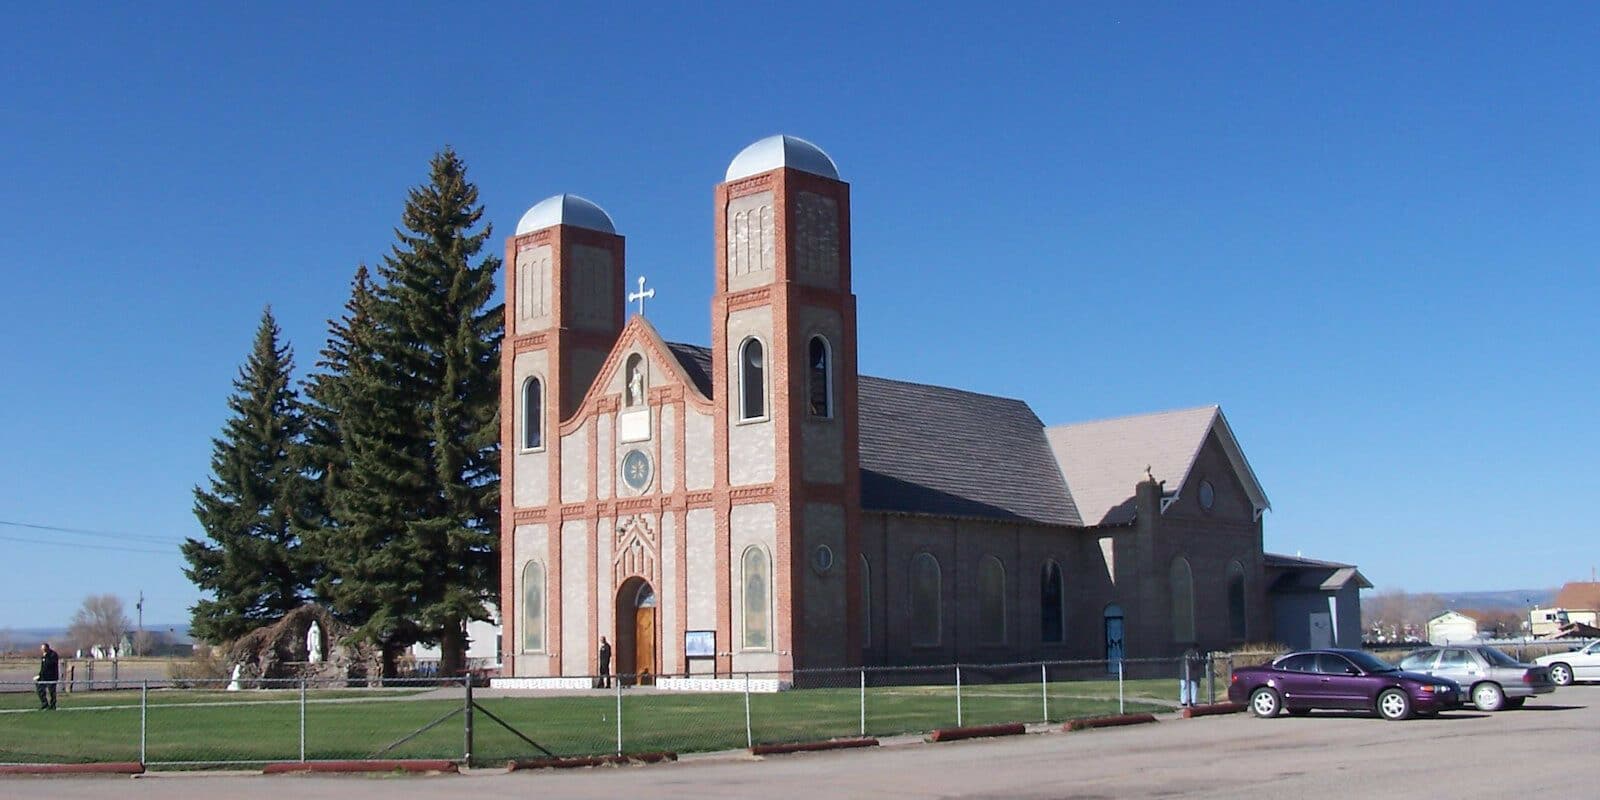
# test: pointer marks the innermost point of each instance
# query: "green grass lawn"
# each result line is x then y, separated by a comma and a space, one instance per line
200, 726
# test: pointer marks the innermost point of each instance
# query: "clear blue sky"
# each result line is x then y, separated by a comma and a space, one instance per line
1370, 234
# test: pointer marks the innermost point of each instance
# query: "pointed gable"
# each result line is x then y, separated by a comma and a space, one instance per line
640, 335
1103, 461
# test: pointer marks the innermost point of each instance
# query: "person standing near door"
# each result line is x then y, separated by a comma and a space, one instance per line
605, 663
49, 674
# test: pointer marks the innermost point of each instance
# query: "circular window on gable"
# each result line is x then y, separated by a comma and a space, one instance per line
1208, 495
637, 470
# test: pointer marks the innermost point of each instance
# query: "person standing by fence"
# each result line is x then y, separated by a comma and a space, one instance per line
605, 663
49, 675
1189, 677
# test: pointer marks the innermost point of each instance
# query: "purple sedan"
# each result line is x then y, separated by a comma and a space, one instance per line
1341, 679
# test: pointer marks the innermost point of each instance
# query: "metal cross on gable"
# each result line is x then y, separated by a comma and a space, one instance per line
641, 295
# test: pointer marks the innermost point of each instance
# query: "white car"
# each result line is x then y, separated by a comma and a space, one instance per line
1578, 665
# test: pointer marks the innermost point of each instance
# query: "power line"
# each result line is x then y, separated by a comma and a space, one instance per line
85, 532
86, 546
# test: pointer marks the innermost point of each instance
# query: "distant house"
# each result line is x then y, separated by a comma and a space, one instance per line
1577, 602
1314, 603
483, 644
1452, 626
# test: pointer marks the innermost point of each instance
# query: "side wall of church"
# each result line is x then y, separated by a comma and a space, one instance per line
890, 543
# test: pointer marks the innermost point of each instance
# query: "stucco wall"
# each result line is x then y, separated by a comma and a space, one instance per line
751, 445
575, 596
575, 464
531, 468
753, 525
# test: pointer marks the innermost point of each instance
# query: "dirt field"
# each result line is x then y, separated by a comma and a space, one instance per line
1465, 754
17, 674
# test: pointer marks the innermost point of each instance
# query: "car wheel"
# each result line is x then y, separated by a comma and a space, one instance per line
1561, 674
1488, 697
1264, 703
1394, 705
1515, 702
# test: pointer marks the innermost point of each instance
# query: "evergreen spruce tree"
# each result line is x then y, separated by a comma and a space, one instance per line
251, 561
413, 550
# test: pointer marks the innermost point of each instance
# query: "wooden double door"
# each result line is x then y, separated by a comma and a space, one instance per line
637, 637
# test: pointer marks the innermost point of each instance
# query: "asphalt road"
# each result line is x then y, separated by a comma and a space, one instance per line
1540, 750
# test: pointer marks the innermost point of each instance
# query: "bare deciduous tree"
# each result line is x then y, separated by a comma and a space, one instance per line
98, 622
1395, 614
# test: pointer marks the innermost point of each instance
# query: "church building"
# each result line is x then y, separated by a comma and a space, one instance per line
759, 505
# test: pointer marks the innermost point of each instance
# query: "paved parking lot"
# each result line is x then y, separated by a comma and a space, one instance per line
1546, 747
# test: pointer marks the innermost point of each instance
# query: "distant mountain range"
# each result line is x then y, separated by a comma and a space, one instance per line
178, 632
1519, 599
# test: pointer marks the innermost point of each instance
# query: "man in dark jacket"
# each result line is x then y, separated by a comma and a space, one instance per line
49, 674
605, 663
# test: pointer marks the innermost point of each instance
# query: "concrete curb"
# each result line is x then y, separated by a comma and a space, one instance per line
415, 766
807, 747
574, 762
1209, 710
1108, 722
106, 768
977, 731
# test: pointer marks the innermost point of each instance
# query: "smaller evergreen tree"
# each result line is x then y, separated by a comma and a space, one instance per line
250, 560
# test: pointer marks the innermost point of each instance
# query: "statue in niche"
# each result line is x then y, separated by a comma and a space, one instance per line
314, 643
636, 382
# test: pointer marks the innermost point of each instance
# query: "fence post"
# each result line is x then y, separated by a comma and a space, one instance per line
863, 702
1211, 678
1121, 709
1044, 690
466, 681
618, 684
144, 708
958, 695
749, 733
302, 718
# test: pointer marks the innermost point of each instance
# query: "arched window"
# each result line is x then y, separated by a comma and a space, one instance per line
866, 602
927, 595
533, 607
819, 377
633, 393
752, 380
757, 600
1236, 609
1052, 605
532, 414
991, 601
1182, 583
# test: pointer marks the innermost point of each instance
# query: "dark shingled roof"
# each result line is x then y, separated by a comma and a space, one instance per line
931, 450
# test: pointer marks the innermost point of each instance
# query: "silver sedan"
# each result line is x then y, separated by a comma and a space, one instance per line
1491, 678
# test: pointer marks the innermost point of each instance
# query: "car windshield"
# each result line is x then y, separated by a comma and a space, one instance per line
1369, 663
1498, 658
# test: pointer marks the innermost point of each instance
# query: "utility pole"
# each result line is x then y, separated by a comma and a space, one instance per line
139, 639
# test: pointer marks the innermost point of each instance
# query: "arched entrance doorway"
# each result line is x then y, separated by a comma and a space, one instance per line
636, 632
1113, 637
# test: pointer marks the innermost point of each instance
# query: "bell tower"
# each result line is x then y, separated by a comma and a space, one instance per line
563, 314
784, 377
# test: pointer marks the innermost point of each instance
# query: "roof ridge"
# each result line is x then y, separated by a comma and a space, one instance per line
896, 380
1144, 415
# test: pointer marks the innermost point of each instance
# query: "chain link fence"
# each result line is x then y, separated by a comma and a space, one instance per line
214, 723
